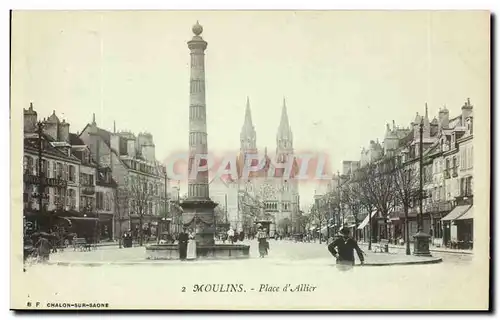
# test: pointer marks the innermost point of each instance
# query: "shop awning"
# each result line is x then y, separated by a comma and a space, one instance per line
469, 214
455, 213
83, 218
366, 220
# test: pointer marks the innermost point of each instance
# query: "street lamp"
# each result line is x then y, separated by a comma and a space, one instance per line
421, 247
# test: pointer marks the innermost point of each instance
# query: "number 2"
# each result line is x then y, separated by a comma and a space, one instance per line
183, 289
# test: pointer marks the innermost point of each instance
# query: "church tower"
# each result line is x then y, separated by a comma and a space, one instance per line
248, 135
284, 137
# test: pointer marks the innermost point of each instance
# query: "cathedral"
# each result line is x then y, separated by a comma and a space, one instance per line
267, 194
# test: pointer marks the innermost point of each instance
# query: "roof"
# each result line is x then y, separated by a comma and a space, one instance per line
75, 140
32, 143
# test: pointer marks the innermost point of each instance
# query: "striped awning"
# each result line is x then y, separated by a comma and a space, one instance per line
455, 213
469, 214
366, 220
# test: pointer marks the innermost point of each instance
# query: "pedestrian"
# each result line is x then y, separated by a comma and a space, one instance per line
263, 244
343, 247
43, 247
183, 243
230, 235
191, 246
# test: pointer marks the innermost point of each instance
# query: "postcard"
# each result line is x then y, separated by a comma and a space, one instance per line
250, 160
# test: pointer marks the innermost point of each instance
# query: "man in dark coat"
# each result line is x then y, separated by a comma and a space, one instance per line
183, 242
343, 249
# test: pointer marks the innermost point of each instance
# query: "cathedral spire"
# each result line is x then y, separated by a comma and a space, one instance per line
248, 135
248, 115
284, 130
284, 124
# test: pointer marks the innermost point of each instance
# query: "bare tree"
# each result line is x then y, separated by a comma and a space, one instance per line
121, 210
376, 185
351, 199
141, 197
406, 181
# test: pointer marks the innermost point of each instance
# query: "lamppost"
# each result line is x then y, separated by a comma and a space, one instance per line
40, 195
421, 247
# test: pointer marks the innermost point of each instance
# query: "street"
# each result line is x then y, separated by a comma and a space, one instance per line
156, 283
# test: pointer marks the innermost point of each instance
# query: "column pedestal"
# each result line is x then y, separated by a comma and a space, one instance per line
421, 244
203, 219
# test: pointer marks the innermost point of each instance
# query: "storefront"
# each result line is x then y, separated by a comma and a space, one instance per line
106, 226
465, 229
450, 227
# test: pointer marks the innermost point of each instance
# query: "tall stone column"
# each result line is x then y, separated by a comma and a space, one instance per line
198, 212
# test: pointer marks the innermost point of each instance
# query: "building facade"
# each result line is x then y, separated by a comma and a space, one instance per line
267, 194
141, 195
447, 176
68, 183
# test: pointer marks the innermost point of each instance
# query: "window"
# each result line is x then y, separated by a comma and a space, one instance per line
108, 202
468, 186
104, 201
72, 197
25, 163
59, 170
72, 173
470, 157
455, 166
35, 167
45, 167
54, 169
99, 201
56, 197
447, 169
65, 172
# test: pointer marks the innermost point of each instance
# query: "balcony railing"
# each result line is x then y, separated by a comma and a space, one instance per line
50, 182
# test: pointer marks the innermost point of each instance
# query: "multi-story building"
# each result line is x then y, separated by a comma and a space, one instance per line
141, 180
67, 172
446, 172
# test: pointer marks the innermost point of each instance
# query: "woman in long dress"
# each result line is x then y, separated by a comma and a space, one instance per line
263, 244
191, 247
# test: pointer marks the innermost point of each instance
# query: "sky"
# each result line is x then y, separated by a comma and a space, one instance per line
344, 74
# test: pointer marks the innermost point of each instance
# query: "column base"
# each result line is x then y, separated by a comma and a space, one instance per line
204, 209
421, 244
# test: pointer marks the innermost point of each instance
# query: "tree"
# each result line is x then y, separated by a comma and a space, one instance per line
121, 210
351, 198
140, 198
406, 181
377, 187
302, 221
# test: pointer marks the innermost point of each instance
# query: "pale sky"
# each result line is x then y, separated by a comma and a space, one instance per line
344, 74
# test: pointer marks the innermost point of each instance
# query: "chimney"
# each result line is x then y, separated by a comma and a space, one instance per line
30, 119
63, 133
443, 118
466, 111
131, 152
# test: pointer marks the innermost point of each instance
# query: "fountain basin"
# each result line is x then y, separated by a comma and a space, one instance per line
203, 252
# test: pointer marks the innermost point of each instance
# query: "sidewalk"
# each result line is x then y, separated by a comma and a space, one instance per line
431, 249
